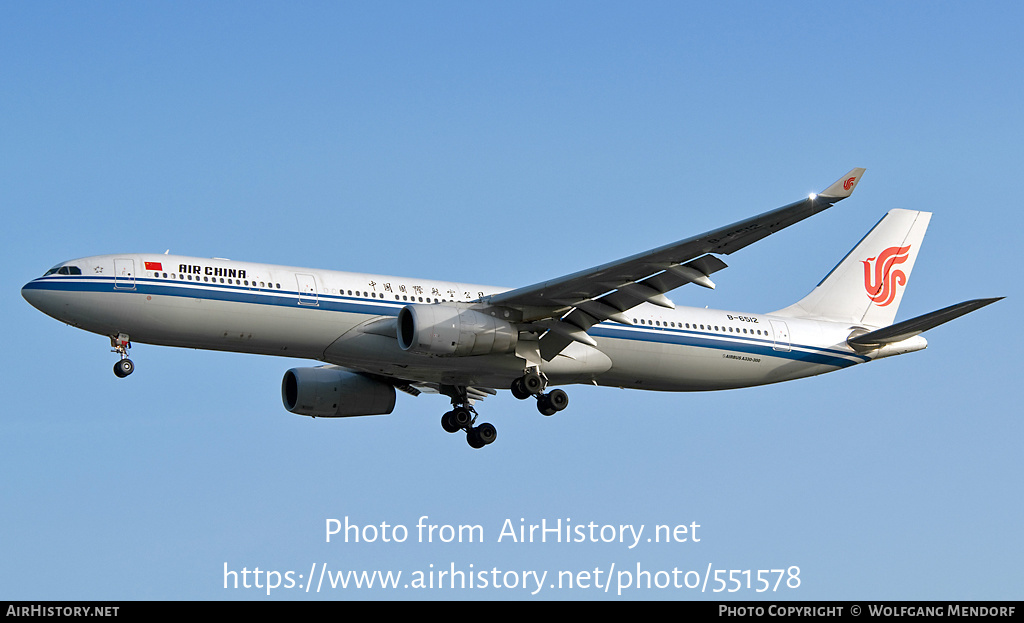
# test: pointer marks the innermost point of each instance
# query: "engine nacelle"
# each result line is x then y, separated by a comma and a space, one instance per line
450, 331
330, 391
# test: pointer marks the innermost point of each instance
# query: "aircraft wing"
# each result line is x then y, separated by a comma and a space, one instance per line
565, 308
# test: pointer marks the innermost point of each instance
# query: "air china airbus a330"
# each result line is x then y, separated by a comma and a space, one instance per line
611, 325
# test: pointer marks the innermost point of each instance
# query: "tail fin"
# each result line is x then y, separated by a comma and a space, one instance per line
867, 286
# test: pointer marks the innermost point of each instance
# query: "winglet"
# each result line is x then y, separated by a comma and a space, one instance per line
844, 186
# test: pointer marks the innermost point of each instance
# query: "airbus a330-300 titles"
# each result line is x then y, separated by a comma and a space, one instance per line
611, 325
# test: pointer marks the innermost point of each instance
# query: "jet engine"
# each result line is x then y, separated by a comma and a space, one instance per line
330, 391
450, 331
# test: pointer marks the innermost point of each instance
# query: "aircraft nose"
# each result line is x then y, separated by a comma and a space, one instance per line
39, 298
48, 297
30, 294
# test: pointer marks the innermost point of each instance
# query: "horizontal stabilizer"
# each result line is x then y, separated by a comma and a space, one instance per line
909, 328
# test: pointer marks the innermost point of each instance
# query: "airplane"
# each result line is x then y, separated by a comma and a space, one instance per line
611, 325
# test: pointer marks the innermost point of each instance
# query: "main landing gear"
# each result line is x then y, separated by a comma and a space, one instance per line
532, 384
120, 345
463, 416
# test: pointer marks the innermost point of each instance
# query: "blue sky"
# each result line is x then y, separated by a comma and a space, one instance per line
509, 143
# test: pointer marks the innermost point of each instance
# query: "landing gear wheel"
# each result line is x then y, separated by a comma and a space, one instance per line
447, 425
123, 368
518, 390
481, 435
460, 417
457, 419
486, 432
532, 382
553, 402
558, 399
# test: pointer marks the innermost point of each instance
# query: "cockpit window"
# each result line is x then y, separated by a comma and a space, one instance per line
64, 270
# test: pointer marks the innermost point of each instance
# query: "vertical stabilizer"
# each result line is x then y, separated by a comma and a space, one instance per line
867, 286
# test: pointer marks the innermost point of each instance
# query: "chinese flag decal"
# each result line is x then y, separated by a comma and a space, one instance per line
154, 266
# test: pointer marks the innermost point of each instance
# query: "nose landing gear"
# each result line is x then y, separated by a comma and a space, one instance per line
124, 367
120, 345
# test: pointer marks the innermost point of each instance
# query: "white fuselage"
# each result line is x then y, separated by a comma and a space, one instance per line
326, 315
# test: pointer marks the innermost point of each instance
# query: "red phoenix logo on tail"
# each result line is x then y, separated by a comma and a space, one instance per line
849, 183
881, 280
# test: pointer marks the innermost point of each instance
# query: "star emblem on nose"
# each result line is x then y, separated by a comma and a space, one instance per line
98, 269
